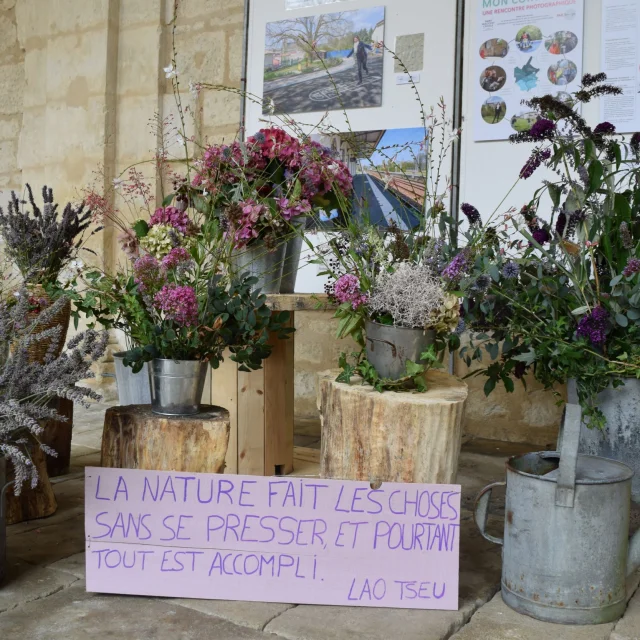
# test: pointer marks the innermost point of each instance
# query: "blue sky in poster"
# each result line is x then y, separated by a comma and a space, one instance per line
408, 139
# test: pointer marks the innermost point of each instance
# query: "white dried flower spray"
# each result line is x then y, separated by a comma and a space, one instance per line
412, 295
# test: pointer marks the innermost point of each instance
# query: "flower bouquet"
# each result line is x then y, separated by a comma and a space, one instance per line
261, 192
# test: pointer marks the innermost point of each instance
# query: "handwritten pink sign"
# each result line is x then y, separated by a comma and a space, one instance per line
277, 539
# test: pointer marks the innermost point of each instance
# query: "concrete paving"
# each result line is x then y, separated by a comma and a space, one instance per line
45, 596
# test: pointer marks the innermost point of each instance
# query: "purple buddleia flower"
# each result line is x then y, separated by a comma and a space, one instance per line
604, 129
541, 236
537, 157
457, 267
473, 215
542, 129
633, 267
593, 326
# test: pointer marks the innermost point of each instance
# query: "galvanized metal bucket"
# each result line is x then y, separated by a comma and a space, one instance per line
566, 552
291, 263
620, 438
177, 386
263, 264
3, 524
133, 388
389, 347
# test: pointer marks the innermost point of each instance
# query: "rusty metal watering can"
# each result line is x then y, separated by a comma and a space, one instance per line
566, 551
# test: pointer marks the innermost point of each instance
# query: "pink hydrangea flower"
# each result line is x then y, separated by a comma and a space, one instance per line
172, 216
289, 210
347, 289
179, 303
175, 257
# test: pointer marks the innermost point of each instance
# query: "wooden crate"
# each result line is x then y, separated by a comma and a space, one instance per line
260, 403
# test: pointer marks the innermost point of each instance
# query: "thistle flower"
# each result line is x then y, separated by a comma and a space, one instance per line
482, 283
511, 270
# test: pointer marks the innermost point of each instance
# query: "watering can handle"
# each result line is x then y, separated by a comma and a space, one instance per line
569, 441
481, 511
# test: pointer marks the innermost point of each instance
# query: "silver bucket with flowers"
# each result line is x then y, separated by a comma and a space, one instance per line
261, 262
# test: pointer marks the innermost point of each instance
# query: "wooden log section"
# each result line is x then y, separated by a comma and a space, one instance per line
136, 438
31, 504
57, 434
391, 436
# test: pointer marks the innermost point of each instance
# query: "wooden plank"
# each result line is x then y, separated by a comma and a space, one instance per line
224, 393
299, 302
251, 423
278, 406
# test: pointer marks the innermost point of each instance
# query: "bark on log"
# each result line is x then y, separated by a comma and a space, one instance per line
136, 438
32, 503
57, 434
391, 436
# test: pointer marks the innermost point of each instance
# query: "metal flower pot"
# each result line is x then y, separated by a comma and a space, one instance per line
133, 388
389, 347
176, 386
260, 262
620, 439
291, 264
3, 525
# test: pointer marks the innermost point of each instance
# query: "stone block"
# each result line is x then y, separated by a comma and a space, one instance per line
628, 628
32, 20
255, 615
496, 621
35, 70
32, 147
8, 156
76, 17
8, 36
26, 583
75, 130
199, 9
74, 614
79, 65
74, 565
235, 48
202, 56
10, 127
11, 89
170, 113
136, 12
138, 61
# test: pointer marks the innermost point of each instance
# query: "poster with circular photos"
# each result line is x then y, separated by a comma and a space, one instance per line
522, 50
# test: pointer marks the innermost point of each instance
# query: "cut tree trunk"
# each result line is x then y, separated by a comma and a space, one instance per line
136, 438
391, 436
57, 435
39, 502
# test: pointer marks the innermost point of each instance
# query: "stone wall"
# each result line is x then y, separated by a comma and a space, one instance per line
80, 81
11, 97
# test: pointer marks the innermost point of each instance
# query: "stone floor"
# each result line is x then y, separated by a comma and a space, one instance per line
45, 597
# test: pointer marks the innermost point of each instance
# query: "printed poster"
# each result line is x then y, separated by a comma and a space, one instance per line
303, 4
621, 63
523, 49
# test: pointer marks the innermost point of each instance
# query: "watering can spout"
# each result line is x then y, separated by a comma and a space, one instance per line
633, 561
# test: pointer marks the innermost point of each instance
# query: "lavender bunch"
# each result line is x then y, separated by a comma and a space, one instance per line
41, 242
26, 387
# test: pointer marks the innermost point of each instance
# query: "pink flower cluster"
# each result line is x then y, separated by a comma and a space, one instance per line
147, 273
176, 256
172, 216
272, 164
347, 289
179, 304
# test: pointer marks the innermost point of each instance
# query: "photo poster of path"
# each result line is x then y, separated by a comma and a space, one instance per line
327, 62
389, 168
621, 63
523, 50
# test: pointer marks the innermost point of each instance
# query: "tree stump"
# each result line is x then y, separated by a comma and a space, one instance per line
391, 436
57, 434
136, 438
31, 504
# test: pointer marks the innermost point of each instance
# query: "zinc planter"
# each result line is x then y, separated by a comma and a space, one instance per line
176, 386
620, 439
133, 388
389, 347
290, 265
263, 264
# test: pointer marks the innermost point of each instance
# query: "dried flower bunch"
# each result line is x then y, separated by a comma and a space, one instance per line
26, 387
412, 295
42, 242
